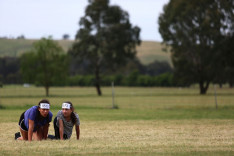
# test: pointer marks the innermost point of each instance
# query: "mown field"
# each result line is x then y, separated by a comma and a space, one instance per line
148, 51
149, 121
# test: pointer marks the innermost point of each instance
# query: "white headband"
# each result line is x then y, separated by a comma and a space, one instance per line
66, 105
44, 106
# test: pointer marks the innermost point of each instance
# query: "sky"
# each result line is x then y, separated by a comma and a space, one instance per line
43, 18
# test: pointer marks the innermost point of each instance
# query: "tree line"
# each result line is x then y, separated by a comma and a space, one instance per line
133, 74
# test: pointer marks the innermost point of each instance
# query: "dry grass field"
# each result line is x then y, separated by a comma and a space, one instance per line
154, 137
149, 121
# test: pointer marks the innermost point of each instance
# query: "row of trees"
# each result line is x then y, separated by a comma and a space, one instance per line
133, 79
28, 69
64, 37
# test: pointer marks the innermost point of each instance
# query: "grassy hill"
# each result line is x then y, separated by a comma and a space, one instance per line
16, 47
148, 51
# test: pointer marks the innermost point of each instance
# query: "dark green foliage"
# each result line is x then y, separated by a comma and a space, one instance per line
227, 74
82, 76
80, 80
66, 36
2, 107
133, 79
9, 70
165, 79
106, 39
196, 32
145, 80
46, 64
157, 68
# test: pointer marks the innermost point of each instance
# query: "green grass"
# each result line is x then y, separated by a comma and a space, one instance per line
133, 103
148, 121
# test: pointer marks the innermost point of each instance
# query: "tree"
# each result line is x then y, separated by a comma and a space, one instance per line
21, 37
194, 30
106, 38
45, 64
66, 36
227, 44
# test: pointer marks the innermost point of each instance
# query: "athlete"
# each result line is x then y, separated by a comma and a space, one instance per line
34, 122
64, 122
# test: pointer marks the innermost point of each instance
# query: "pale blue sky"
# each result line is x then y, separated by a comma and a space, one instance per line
42, 18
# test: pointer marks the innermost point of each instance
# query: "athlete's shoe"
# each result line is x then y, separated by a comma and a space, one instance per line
51, 137
17, 135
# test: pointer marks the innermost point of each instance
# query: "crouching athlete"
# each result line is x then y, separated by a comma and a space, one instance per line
34, 122
65, 121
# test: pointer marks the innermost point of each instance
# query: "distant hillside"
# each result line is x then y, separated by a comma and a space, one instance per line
16, 47
148, 51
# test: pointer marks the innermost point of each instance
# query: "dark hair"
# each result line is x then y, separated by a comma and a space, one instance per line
43, 101
73, 116
38, 112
